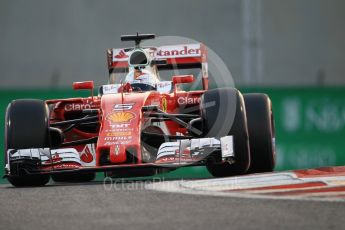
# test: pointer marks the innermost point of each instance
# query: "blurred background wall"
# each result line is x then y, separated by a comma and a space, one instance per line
293, 50
47, 43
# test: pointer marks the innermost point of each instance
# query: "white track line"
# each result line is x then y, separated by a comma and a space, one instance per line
216, 187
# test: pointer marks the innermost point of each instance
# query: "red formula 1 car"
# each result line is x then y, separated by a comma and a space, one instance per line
139, 125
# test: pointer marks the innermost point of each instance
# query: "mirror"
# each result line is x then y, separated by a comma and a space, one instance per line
83, 85
182, 79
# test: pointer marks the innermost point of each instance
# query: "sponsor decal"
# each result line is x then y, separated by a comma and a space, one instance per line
179, 51
76, 107
118, 138
164, 86
120, 107
188, 100
111, 89
121, 55
117, 143
120, 117
164, 104
117, 134
67, 165
120, 126
118, 130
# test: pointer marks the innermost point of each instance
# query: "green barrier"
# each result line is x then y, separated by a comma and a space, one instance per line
310, 125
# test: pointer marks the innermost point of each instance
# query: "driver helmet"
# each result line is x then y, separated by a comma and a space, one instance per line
144, 76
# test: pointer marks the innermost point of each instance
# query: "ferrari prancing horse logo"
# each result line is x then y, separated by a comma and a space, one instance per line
164, 104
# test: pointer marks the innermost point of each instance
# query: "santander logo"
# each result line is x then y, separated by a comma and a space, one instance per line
121, 55
171, 51
179, 51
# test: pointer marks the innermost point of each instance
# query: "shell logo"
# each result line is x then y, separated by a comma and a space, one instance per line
120, 117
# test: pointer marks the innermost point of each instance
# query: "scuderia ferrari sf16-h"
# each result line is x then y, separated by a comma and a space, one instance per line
140, 125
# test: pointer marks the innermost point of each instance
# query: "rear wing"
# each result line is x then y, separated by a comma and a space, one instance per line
176, 56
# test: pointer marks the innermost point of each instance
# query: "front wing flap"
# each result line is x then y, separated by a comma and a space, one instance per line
191, 150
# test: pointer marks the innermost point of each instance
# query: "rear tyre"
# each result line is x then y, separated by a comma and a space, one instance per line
261, 132
223, 113
27, 126
74, 177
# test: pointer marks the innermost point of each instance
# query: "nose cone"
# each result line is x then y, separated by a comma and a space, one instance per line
119, 137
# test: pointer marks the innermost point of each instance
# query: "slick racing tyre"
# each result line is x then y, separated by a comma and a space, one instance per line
261, 132
27, 126
223, 113
74, 177
28, 180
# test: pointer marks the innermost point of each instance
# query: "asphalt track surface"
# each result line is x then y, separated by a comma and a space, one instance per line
128, 205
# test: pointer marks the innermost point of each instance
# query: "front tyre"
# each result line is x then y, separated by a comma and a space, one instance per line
28, 180
223, 114
27, 126
261, 132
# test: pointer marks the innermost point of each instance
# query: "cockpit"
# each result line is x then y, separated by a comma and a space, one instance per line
153, 68
141, 73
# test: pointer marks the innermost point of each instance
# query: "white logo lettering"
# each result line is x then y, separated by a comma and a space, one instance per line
120, 107
76, 107
188, 100
175, 51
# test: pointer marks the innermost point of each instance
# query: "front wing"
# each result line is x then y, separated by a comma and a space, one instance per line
182, 153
